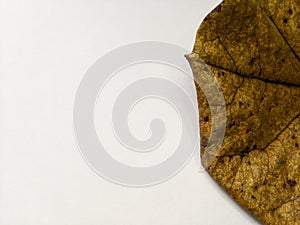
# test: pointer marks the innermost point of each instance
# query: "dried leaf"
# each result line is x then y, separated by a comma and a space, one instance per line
253, 48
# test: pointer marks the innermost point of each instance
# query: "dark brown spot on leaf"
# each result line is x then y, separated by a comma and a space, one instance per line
292, 183
217, 9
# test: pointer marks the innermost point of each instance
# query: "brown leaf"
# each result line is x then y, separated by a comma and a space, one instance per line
253, 48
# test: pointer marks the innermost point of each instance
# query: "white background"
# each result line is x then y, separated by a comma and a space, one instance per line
46, 47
